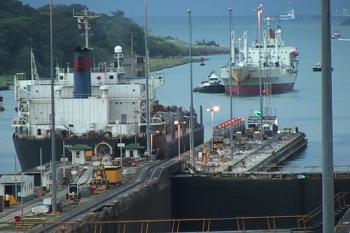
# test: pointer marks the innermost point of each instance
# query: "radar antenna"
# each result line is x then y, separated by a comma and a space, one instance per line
83, 19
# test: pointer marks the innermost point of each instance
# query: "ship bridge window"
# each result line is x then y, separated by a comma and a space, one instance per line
61, 77
111, 77
39, 131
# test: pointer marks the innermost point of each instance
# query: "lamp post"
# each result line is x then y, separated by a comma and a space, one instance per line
177, 123
191, 88
232, 59
212, 111
53, 129
148, 117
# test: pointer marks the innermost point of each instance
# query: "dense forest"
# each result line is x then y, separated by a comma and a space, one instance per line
23, 28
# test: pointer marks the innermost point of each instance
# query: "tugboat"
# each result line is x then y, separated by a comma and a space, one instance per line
336, 35
212, 85
318, 68
201, 61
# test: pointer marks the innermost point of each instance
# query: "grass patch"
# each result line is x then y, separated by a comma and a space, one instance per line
163, 63
28, 222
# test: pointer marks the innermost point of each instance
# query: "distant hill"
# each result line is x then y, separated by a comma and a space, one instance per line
23, 27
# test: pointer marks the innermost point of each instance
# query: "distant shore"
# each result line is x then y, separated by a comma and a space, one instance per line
156, 64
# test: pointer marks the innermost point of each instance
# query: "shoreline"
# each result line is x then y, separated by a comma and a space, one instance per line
166, 63
4, 88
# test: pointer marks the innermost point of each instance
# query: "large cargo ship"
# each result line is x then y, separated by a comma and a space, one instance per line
277, 65
97, 106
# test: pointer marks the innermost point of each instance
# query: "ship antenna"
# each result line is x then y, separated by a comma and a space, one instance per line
191, 88
260, 11
148, 117
83, 19
53, 131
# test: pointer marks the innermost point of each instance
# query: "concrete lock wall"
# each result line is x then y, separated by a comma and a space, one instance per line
208, 197
182, 197
151, 200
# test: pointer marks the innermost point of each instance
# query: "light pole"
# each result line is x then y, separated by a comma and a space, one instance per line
212, 111
260, 11
191, 88
148, 117
327, 121
177, 123
53, 129
232, 59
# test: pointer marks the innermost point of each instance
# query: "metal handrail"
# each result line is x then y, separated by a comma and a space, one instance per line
239, 223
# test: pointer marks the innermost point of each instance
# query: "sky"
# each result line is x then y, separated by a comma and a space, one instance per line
135, 8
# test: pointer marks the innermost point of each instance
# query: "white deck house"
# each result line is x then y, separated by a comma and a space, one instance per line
24, 183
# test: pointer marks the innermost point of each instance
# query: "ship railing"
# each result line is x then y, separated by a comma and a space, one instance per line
101, 69
315, 214
239, 224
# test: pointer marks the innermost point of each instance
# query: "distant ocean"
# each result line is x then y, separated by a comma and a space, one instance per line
301, 108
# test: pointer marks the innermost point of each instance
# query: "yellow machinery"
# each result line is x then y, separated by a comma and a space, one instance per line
114, 174
99, 181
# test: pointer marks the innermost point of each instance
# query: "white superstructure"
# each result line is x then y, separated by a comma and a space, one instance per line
116, 107
277, 64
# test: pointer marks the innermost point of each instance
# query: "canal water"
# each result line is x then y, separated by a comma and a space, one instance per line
301, 108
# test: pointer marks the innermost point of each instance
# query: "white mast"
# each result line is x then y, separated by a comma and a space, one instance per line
233, 45
245, 46
83, 22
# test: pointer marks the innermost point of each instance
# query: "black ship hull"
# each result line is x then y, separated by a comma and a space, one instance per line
28, 149
215, 88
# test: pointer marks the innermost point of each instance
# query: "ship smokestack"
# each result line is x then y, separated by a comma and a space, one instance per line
82, 74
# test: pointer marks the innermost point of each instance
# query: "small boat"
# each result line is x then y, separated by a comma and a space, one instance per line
212, 85
201, 61
335, 35
318, 68
290, 15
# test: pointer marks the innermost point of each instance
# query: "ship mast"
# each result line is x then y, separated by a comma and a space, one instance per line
83, 19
